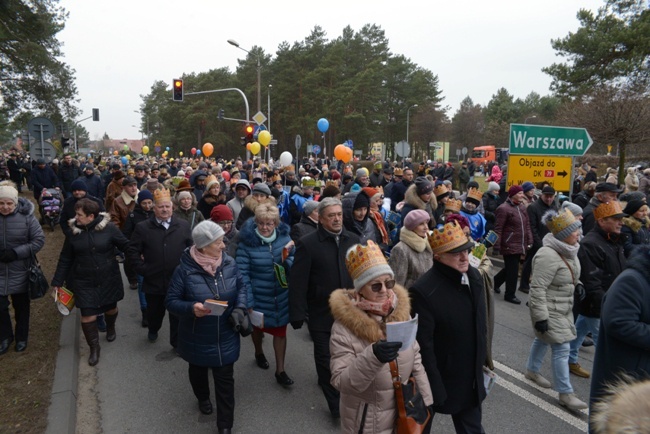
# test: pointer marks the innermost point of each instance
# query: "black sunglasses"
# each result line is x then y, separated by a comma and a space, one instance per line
376, 287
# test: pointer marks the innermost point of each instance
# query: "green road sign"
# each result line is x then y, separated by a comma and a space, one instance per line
545, 140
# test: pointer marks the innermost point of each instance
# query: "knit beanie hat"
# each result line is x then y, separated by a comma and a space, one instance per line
309, 207
365, 263
371, 191
221, 213
527, 186
514, 190
493, 186
79, 185
182, 194
144, 195
8, 191
261, 187
356, 188
416, 217
561, 224
575, 209
423, 186
633, 206
205, 233
361, 201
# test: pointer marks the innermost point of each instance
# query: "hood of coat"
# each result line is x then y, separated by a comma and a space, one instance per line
359, 322
411, 197
24, 206
251, 203
100, 222
248, 237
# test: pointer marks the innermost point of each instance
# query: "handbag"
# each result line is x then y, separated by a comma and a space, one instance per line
38, 285
412, 414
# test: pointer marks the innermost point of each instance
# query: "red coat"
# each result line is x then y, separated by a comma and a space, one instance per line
513, 227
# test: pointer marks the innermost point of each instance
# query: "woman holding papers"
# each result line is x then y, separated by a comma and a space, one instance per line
264, 257
205, 340
360, 352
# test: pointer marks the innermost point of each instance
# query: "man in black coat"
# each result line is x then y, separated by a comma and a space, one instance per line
15, 174
450, 303
43, 177
605, 192
155, 251
399, 188
68, 172
318, 269
93, 182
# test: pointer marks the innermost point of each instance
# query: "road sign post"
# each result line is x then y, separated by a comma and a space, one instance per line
546, 140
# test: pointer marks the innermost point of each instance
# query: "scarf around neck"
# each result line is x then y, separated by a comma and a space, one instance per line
208, 263
382, 309
564, 249
267, 240
414, 241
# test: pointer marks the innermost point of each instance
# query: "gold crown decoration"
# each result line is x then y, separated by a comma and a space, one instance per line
331, 182
561, 221
308, 181
440, 190
453, 205
210, 179
447, 238
162, 195
475, 193
398, 172
359, 259
608, 209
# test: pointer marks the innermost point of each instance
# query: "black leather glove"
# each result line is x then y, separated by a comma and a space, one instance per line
240, 322
542, 326
386, 351
297, 324
8, 255
580, 292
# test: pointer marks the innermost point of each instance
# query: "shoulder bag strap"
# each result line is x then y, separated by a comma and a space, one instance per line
397, 384
573, 277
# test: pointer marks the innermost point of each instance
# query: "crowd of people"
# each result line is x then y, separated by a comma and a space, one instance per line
344, 250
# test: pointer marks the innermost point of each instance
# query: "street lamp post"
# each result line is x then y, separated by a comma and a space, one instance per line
147, 117
530, 117
408, 113
259, 76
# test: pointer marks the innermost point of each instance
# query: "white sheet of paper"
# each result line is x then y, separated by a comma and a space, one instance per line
403, 332
216, 309
257, 318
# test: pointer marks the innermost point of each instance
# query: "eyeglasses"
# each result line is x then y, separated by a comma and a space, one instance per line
376, 287
266, 224
225, 223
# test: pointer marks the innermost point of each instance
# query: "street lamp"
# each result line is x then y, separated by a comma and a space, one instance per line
531, 117
408, 112
259, 78
147, 117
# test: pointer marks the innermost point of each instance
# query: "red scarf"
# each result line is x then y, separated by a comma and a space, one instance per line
379, 221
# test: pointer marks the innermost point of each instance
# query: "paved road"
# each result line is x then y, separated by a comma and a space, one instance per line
140, 387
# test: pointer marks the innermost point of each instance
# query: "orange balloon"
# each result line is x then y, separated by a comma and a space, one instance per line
208, 149
248, 146
348, 154
339, 152
115, 152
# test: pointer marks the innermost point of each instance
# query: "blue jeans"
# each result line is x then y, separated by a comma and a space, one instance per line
584, 325
143, 300
559, 364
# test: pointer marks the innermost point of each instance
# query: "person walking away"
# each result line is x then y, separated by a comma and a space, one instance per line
208, 342
21, 236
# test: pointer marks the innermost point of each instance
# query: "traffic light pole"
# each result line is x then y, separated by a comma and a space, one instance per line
248, 113
76, 147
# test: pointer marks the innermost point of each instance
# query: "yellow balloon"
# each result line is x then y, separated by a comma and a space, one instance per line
264, 137
171, 159
180, 153
128, 157
145, 149
255, 148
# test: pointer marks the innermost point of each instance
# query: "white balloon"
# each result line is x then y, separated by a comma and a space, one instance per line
286, 158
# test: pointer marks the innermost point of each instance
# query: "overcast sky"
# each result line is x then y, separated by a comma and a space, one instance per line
119, 48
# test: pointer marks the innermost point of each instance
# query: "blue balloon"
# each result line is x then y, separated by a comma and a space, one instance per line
198, 152
124, 160
323, 125
167, 148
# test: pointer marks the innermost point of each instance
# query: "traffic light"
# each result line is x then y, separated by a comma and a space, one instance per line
220, 116
249, 134
65, 142
177, 90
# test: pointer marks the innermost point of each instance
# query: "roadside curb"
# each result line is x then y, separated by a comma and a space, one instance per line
62, 414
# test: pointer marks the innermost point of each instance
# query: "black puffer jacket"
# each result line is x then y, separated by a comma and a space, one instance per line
302, 228
89, 255
155, 252
21, 232
636, 232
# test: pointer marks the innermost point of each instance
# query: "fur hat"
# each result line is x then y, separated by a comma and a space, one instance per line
561, 224
416, 217
205, 233
365, 263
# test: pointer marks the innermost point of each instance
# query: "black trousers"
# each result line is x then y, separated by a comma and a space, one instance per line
224, 387
508, 274
528, 268
156, 314
465, 422
21, 316
322, 359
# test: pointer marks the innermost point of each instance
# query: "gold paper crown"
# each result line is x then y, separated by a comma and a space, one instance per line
360, 259
440, 190
210, 179
161, 195
475, 193
608, 209
561, 221
308, 181
453, 205
331, 182
448, 238
398, 172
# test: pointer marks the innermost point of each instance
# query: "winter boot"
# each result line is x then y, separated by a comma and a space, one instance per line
92, 337
110, 327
